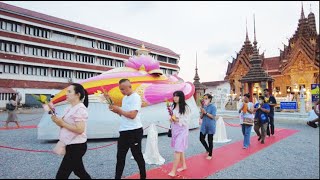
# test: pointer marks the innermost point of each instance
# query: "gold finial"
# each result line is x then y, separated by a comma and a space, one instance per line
142, 50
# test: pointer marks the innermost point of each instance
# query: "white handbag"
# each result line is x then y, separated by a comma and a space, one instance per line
60, 148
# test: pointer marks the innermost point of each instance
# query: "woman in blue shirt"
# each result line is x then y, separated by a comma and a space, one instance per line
208, 126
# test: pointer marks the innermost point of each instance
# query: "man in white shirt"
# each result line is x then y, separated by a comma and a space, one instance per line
131, 132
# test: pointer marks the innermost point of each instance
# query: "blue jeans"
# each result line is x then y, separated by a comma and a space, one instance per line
246, 131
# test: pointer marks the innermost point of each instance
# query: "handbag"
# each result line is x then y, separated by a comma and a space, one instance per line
60, 148
10, 107
248, 121
169, 132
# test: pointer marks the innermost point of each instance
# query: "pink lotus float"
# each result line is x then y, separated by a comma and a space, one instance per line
147, 80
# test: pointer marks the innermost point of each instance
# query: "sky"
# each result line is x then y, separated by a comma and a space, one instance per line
215, 31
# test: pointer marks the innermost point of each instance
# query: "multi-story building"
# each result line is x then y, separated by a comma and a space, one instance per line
42, 54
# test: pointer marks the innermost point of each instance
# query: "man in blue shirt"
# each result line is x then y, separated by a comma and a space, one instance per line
261, 119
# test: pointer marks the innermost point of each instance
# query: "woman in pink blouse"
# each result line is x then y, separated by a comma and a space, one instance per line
73, 133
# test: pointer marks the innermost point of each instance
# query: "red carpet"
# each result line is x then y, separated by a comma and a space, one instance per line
199, 167
21, 127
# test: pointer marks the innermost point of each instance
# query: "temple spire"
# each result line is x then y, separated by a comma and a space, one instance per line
247, 37
254, 30
302, 12
196, 77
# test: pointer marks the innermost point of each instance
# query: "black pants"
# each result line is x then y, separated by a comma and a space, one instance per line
204, 143
271, 124
130, 139
72, 161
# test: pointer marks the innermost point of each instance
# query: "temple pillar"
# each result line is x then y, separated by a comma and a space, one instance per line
250, 91
270, 87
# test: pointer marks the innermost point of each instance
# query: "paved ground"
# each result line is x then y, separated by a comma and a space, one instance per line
292, 158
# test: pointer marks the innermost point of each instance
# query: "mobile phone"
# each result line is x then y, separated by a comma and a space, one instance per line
52, 112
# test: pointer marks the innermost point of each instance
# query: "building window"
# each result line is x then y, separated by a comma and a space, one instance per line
105, 61
153, 56
104, 46
162, 58
173, 61
9, 68
119, 63
122, 49
58, 54
133, 52
85, 42
63, 37
36, 51
61, 73
35, 70
7, 46
12, 26
85, 75
164, 70
6, 96
37, 31
85, 58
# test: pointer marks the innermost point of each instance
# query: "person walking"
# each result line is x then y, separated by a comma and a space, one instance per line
246, 119
131, 132
271, 100
73, 128
261, 119
180, 131
12, 113
208, 126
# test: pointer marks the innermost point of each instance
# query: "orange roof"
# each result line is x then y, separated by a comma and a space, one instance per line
271, 63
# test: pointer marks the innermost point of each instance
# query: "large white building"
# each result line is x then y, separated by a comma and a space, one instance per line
41, 54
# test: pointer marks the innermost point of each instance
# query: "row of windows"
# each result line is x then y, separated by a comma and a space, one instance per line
36, 51
6, 96
71, 39
85, 75
85, 58
35, 70
168, 71
36, 31
61, 73
118, 63
9, 47
9, 68
85, 42
104, 46
10, 25
105, 61
63, 37
122, 49
173, 61
43, 71
58, 54
162, 58
62, 54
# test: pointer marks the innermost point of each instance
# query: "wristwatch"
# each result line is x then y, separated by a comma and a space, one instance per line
207, 113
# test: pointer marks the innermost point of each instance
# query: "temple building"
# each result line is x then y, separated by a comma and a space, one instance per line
296, 67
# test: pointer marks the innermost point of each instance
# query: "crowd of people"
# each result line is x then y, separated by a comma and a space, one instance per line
73, 127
